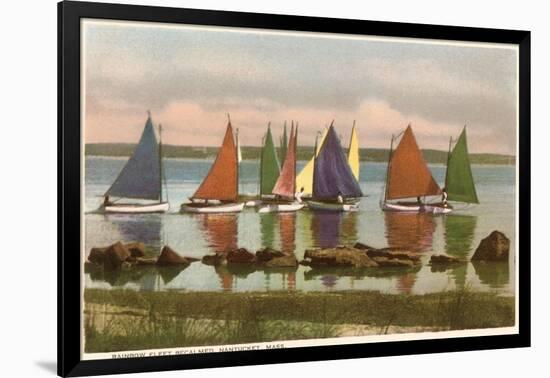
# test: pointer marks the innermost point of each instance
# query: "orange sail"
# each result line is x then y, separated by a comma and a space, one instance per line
222, 180
286, 183
408, 173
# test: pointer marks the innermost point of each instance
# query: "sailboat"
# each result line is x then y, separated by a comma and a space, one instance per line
459, 181
218, 192
304, 179
408, 176
269, 171
141, 178
335, 187
285, 186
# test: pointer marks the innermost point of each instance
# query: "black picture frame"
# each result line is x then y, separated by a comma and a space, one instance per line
69, 186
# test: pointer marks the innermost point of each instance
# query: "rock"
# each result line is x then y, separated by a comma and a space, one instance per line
97, 255
137, 249
363, 246
393, 262
240, 256
217, 259
146, 261
192, 259
169, 257
115, 255
339, 257
305, 262
268, 254
444, 260
394, 255
495, 247
282, 262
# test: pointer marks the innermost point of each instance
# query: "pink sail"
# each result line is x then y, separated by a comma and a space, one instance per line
286, 183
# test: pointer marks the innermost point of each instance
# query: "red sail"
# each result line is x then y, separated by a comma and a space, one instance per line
221, 181
286, 183
408, 173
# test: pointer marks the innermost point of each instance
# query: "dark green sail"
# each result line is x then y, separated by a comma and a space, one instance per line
459, 182
269, 168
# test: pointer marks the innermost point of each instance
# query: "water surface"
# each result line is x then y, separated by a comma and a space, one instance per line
456, 234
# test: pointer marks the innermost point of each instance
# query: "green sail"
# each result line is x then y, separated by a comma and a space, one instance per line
459, 182
269, 168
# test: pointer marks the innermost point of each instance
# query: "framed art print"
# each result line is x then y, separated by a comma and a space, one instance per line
241, 188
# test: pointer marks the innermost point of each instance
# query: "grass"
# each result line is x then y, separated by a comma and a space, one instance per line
128, 320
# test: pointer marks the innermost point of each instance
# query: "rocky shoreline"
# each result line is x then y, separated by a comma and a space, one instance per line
495, 247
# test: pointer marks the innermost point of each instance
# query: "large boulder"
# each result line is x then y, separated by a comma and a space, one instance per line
170, 257
267, 254
338, 257
495, 247
97, 255
115, 255
286, 261
240, 256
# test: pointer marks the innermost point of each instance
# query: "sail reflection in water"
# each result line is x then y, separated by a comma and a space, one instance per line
459, 236
413, 232
330, 229
220, 231
287, 226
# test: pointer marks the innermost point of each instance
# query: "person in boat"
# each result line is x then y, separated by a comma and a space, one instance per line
340, 198
444, 197
298, 195
106, 201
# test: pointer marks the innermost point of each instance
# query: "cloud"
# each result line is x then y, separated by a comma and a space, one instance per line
193, 77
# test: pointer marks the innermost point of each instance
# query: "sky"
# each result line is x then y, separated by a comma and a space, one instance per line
190, 77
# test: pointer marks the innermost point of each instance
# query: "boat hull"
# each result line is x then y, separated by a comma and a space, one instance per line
137, 208
210, 209
416, 208
333, 206
280, 207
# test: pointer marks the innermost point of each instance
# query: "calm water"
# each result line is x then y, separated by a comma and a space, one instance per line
196, 235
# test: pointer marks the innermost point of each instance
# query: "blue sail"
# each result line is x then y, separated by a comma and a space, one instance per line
140, 177
332, 174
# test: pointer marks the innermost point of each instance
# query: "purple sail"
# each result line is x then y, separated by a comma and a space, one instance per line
332, 174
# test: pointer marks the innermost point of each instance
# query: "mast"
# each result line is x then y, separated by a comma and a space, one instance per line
388, 170
448, 157
160, 162
236, 156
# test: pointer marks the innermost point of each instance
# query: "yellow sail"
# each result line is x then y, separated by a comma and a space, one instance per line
305, 178
353, 153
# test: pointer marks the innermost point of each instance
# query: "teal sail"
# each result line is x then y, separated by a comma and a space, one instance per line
141, 176
459, 181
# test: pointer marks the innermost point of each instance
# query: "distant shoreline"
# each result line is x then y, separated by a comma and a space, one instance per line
303, 153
